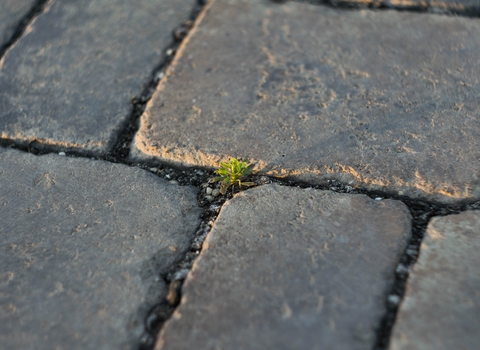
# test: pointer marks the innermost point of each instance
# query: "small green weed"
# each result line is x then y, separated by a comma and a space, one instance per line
231, 174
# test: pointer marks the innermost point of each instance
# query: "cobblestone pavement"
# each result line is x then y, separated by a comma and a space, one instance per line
360, 228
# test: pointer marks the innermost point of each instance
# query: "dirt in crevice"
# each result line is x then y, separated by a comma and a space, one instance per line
121, 149
22, 25
175, 278
421, 213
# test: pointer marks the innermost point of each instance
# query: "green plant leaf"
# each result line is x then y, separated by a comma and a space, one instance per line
231, 173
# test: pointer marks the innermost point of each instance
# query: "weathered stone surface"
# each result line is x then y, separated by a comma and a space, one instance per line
457, 6
82, 246
385, 100
11, 12
286, 268
462, 6
70, 80
441, 309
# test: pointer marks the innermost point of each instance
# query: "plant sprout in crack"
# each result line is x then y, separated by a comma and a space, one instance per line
231, 174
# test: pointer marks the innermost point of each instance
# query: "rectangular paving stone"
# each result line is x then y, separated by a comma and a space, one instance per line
11, 13
288, 268
70, 80
441, 308
383, 99
82, 246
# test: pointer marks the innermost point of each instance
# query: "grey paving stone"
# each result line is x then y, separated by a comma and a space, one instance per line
287, 268
70, 80
385, 100
11, 12
441, 308
82, 246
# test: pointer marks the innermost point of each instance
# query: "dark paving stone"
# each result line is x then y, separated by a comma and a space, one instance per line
83, 244
11, 13
385, 100
70, 80
441, 309
286, 268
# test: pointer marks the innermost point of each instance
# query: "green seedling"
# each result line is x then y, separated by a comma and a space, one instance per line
231, 174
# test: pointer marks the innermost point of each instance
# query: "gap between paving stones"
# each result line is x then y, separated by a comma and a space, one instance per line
122, 147
424, 7
35, 11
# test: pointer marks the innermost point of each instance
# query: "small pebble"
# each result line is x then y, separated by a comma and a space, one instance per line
209, 198
208, 190
181, 274
201, 173
153, 170
173, 182
394, 299
401, 269
264, 180
378, 198
167, 176
216, 192
61, 154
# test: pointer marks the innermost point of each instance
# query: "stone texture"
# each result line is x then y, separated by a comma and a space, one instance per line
11, 13
82, 247
461, 6
287, 268
441, 308
70, 80
468, 7
385, 100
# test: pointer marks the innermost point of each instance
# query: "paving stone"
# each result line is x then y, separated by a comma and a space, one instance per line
11, 13
386, 99
288, 268
83, 244
70, 80
441, 308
